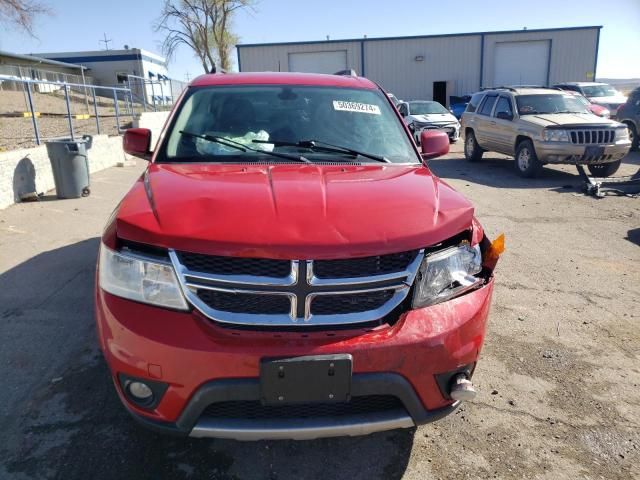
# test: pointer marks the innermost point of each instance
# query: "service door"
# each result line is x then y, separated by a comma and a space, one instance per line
521, 63
318, 62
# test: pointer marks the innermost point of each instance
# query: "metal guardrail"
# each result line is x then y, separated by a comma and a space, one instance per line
119, 94
66, 86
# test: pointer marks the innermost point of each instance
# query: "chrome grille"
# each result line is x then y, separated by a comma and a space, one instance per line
592, 136
260, 292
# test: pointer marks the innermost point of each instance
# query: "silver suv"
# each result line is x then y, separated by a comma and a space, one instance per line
539, 126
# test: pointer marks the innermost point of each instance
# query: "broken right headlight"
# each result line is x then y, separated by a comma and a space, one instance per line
447, 274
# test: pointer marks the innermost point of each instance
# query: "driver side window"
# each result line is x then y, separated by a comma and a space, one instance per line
503, 106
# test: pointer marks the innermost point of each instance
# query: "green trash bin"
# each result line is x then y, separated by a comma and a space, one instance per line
70, 164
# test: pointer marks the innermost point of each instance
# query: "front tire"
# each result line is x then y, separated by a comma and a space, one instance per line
604, 169
472, 151
527, 163
633, 136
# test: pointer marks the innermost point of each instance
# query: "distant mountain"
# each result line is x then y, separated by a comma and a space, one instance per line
625, 85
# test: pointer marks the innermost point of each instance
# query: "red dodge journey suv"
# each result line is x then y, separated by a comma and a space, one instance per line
287, 266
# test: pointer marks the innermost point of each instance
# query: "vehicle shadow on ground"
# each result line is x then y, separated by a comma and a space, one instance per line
500, 172
73, 426
634, 236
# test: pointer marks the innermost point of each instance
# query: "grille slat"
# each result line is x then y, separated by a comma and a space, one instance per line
214, 265
254, 410
350, 303
364, 267
245, 302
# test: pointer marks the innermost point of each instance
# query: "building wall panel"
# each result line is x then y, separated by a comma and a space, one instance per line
572, 53
408, 67
276, 58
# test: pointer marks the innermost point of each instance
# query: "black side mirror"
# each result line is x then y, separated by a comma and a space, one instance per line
505, 116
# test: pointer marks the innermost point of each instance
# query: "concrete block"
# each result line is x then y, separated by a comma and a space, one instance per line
28, 170
154, 121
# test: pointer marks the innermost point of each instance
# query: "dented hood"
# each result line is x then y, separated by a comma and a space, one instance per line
291, 211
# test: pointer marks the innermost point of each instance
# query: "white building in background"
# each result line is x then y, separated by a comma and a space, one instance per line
439, 66
111, 68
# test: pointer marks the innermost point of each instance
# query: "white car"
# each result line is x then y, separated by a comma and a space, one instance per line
598, 93
422, 114
395, 100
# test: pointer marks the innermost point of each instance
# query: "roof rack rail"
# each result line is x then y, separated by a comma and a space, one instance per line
498, 88
347, 73
513, 88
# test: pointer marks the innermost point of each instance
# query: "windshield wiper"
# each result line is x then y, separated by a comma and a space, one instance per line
325, 147
243, 148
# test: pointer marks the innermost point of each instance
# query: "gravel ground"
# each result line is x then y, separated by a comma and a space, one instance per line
558, 378
18, 132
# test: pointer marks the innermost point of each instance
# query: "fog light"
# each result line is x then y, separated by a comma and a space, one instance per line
140, 391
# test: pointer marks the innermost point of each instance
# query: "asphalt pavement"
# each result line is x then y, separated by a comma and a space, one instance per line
558, 377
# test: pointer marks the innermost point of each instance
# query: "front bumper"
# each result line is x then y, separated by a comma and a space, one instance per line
453, 131
194, 423
567, 153
203, 363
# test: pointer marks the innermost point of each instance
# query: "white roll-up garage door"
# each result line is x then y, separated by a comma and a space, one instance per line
521, 63
318, 62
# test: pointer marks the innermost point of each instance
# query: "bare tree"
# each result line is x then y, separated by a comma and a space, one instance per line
22, 13
204, 26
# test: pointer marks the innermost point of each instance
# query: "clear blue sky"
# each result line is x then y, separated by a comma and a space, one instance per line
79, 24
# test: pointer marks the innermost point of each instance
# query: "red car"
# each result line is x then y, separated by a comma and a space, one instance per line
594, 108
288, 266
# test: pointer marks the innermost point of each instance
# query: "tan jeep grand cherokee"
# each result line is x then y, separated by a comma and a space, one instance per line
539, 126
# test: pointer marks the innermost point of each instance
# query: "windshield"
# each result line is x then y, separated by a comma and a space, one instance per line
549, 103
599, 91
582, 100
425, 108
352, 119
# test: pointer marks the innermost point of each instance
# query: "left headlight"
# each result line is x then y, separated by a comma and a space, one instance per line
140, 279
446, 274
622, 133
552, 135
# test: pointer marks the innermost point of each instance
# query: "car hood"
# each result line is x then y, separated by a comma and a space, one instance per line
612, 100
568, 119
291, 211
434, 117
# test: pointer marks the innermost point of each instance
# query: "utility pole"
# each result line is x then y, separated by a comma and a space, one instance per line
106, 41
187, 77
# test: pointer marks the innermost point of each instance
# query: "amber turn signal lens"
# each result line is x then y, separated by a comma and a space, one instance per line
496, 249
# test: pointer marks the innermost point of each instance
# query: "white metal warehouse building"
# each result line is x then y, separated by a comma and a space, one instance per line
111, 67
438, 66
